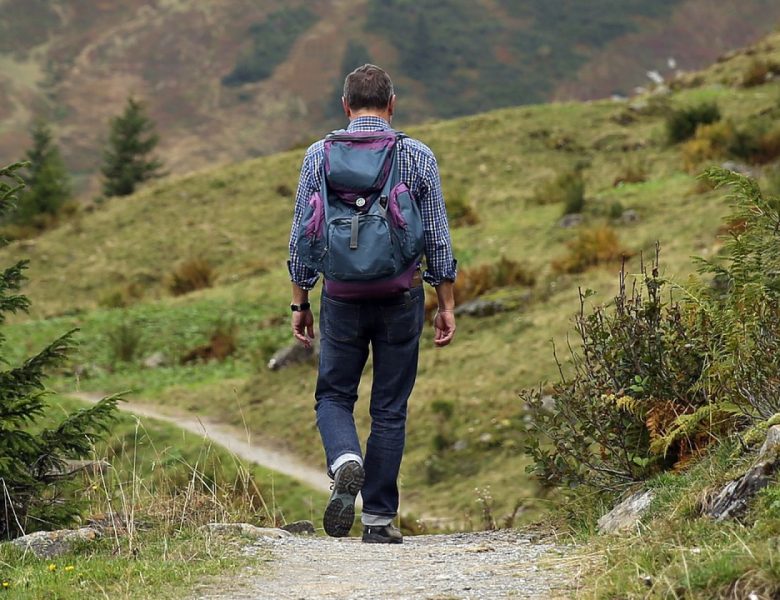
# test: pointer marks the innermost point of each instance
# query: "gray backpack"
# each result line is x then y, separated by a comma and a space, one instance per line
363, 229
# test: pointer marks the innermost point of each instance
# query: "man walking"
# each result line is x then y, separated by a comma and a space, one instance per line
388, 318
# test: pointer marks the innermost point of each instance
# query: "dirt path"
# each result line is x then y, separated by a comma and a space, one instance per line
474, 566
231, 438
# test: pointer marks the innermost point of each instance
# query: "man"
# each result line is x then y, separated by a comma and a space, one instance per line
390, 325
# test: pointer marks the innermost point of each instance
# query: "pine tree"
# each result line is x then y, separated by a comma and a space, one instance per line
128, 160
47, 182
32, 495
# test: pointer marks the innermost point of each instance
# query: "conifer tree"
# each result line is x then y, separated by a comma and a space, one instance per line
47, 182
33, 495
128, 160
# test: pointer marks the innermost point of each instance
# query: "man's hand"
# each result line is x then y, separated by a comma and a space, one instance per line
303, 327
444, 328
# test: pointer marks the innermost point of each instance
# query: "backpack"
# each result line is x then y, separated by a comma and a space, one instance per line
363, 228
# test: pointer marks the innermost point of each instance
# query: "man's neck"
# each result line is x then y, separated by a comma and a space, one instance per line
370, 113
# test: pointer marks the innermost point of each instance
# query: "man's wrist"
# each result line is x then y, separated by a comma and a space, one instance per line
301, 307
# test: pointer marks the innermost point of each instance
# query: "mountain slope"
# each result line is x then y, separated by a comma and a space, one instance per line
235, 79
467, 425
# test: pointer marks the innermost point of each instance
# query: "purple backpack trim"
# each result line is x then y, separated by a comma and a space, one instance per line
315, 227
357, 290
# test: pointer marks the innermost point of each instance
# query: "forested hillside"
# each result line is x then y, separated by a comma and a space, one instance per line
235, 79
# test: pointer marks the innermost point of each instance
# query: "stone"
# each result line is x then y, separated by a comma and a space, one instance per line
733, 499
740, 168
300, 528
625, 516
155, 361
48, 544
246, 529
480, 308
572, 220
629, 217
771, 443
70, 468
294, 354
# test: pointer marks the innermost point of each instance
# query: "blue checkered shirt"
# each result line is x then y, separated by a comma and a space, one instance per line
418, 169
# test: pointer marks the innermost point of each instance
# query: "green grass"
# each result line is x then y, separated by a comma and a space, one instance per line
680, 554
162, 566
164, 484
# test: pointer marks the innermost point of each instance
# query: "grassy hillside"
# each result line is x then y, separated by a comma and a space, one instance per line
236, 79
162, 486
466, 427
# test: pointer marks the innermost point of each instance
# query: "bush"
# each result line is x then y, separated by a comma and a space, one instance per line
656, 383
124, 342
460, 212
33, 493
758, 72
567, 188
193, 274
591, 247
632, 405
710, 142
758, 142
681, 123
632, 171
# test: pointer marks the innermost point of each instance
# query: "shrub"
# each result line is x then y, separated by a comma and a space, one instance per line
710, 142
632, 405
758, 72
223, 342
33, 493
758, 142
460, 212
655, 383
591, 247
567, 188
632, 171
193, 274
124, 342
681, 123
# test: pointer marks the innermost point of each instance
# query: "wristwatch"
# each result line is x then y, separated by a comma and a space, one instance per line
300, 307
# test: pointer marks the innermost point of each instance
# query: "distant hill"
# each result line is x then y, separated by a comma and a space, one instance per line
241, 78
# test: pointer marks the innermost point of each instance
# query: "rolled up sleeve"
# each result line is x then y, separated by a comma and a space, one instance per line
300, 274
439, 260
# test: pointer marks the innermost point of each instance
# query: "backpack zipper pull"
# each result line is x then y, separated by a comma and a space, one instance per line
353, 237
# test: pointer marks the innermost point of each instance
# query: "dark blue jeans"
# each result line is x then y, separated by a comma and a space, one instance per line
392, 328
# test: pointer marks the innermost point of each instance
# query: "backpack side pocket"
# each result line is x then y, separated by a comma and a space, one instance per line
311, 234
405, 215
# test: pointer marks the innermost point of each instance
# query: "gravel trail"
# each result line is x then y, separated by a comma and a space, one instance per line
464, 566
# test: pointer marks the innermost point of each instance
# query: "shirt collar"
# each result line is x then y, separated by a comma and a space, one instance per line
368, 124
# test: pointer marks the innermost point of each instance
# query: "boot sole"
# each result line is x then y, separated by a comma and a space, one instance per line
340, 512
380, 539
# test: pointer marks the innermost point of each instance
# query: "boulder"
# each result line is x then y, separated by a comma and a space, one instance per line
245, 529
48, 544
629, 217
294, 354
572, 220
733, 499
625, 516
155, 361
480, 308
300, 528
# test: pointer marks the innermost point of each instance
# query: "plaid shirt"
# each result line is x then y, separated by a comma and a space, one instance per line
418, 169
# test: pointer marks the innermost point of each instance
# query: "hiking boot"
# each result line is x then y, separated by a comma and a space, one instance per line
382, 534
340, 512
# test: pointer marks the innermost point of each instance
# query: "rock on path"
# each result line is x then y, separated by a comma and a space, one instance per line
467, 566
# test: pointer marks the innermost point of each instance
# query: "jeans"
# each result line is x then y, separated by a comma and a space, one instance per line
392, 328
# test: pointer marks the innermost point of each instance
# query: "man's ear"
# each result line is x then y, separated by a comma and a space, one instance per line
345, 106
391, 106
